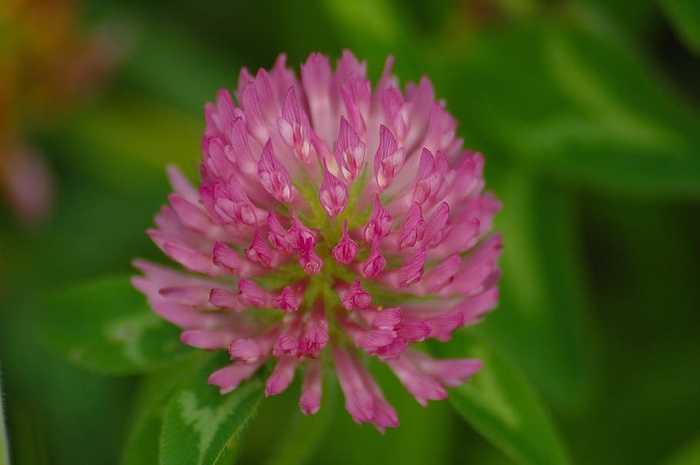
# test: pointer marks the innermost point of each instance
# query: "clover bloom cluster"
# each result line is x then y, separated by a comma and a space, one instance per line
334, 223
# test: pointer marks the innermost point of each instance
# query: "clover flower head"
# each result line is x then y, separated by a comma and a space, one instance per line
334, 222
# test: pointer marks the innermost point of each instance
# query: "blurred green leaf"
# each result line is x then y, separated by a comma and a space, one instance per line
574, 106
106, 326
376, 21
520, 8
623, 21
304, 433
142, 446
176, 65
685, 16
128, 141
4, 447
501, 404
50, 402
201, 426
644, 279
426, 435
688, 455
374, 29
539, 321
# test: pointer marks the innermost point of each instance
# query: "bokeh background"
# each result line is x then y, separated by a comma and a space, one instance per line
587, 111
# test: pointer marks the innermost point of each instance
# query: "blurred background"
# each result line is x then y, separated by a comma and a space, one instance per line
587, 112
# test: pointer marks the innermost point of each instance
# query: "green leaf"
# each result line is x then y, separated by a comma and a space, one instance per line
4, 445
685, 16
303, 435
540, 319
375, 29
106, 325
572, 105
425, 435
688, 455
373, 21
201, 425
501, 404
49, 401
176, 65
142, 446
127, 150
520, 8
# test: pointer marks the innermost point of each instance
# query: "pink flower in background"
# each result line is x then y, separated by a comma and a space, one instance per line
334, 222
48, 64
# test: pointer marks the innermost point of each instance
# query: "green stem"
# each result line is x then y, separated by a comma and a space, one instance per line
4, 444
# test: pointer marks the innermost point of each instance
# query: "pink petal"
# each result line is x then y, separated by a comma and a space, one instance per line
451, 372
278, 236
231, 376
356, 98
246, 351
250, 294
442, 326
388, 318
189, 258
379, 223
288, 341
413, 227
316, 80
181, 185
315, 335
226, 257
395, 112
273, 177
206, 339
349, 151
333, 194
435, 228
225, 299
259, 252
375, 262
281, 376
308, 259
358, 402
442, 275
288, 300
413, 332
412, 270
355, 297
422, 387
194, 296
346, 250
311, 389
389, 158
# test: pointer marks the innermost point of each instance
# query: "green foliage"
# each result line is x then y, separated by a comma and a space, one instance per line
131, 158
688, 455
162, 52
374, 29
566, 103
540, 320
4, 446
106, 326
502, 405
685, 15
142, 445
303, 435
200, 425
